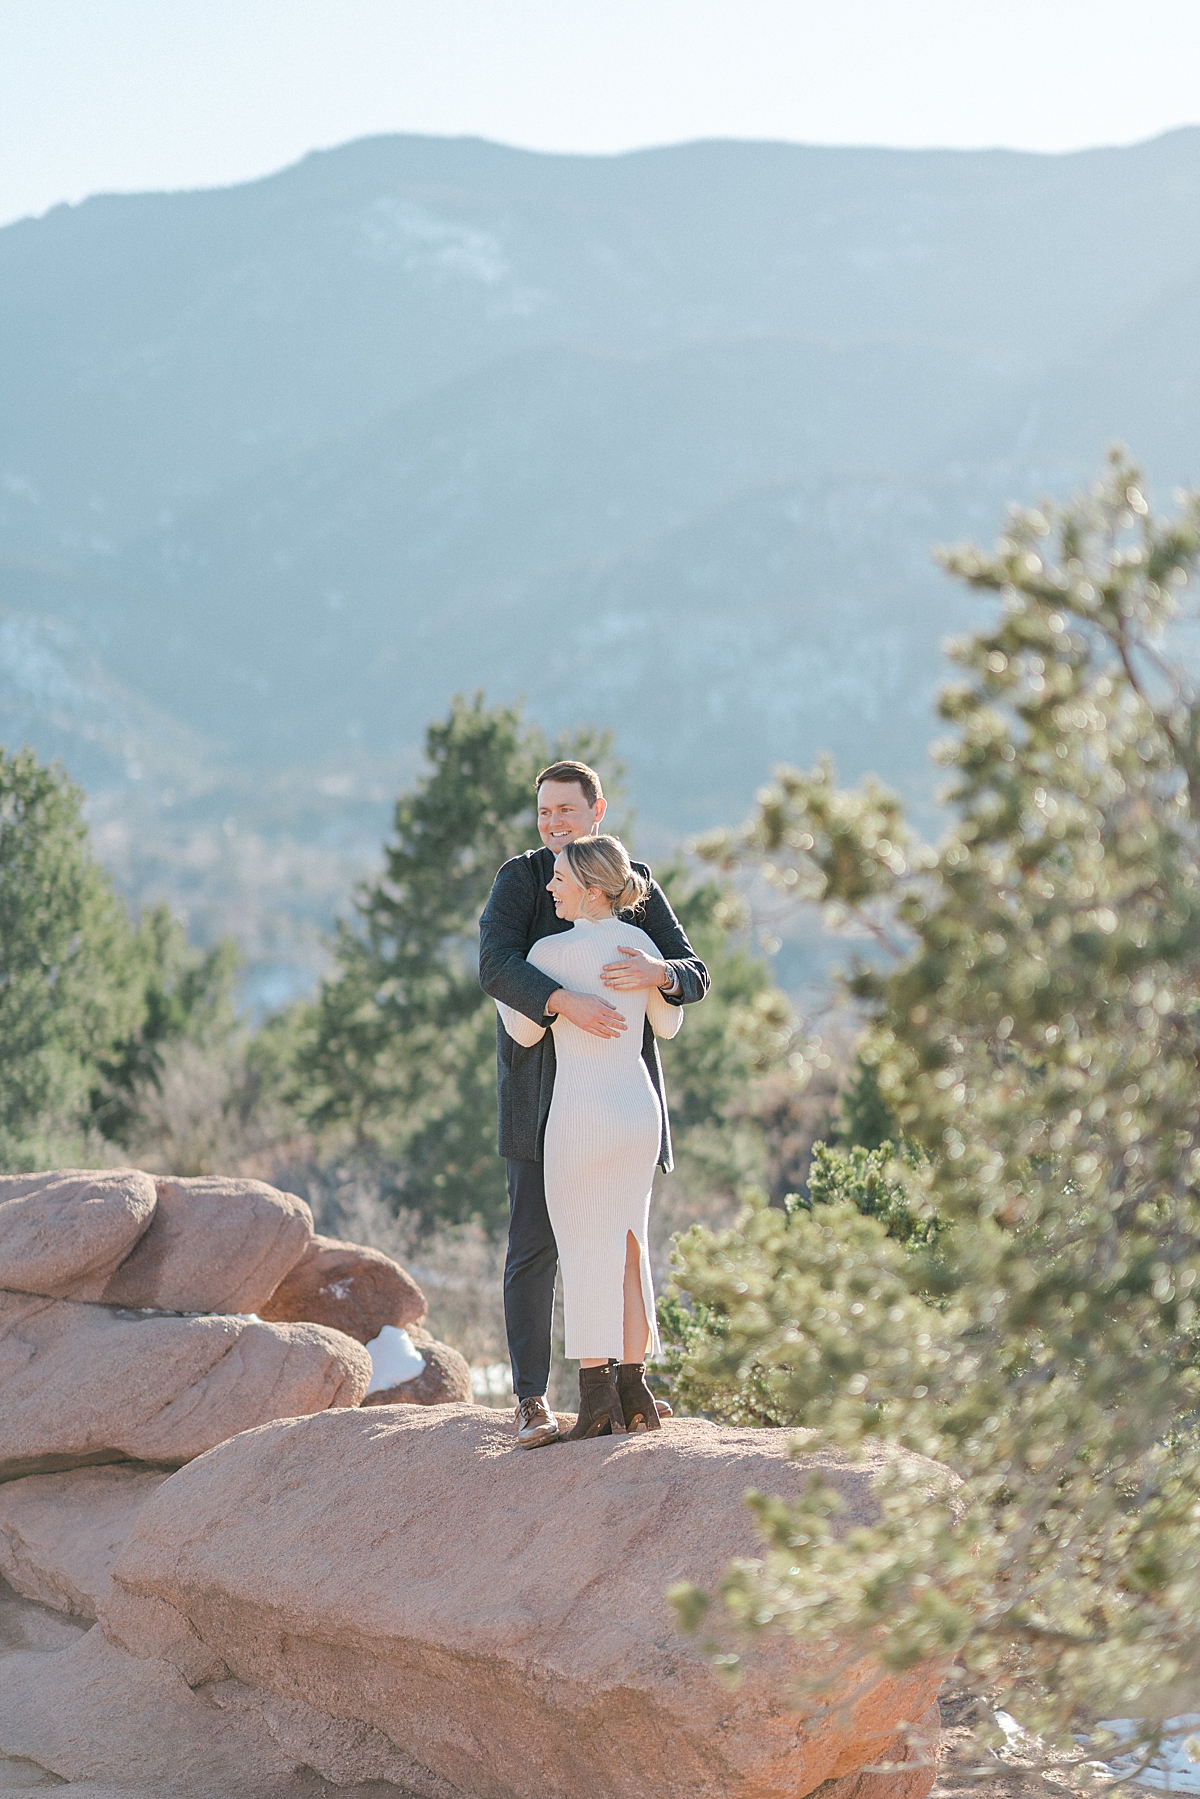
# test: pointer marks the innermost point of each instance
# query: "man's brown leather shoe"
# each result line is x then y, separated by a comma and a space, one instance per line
536, 1423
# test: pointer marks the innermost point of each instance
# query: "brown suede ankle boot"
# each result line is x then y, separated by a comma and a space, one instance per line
637, 1401
599, 1404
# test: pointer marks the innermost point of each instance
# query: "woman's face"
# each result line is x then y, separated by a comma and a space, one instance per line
566, 892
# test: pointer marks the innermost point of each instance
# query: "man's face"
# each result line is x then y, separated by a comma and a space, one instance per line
563, 813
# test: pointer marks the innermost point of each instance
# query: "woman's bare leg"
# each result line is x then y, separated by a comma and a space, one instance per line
637, 1325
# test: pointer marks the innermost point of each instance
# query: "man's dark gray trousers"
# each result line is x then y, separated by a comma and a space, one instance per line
518, 914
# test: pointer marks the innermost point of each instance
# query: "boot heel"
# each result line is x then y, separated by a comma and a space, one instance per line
637, 1401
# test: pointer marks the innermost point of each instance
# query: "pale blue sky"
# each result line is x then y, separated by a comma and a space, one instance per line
104, 95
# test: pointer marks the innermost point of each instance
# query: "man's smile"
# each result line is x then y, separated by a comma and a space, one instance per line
563, 813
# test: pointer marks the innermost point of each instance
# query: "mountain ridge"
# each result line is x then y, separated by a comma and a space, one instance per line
661, 441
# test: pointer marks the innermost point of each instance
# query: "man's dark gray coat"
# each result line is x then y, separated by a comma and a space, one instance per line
518, 914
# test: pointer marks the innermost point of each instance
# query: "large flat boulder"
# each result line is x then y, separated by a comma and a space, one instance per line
501, 1616
83, 1384
60, 1534
65, 1234
348, 1287
215, 1244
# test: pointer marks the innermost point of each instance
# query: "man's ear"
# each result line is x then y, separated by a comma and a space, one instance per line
601, 809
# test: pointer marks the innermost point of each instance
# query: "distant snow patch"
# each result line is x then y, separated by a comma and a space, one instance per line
1176, 1767
395, 1358
403, 231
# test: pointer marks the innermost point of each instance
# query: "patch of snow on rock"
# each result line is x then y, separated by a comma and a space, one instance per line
394, 1359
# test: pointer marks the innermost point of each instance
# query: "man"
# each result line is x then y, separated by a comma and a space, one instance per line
518, 913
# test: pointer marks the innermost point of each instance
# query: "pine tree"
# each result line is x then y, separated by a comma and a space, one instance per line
89, 1001
68, 982
185, 995
715, 1068
1037, 1041
402, 1043
865, 1119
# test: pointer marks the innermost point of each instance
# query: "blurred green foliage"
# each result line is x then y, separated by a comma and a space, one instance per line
88, 1000
864, 1116
183, 994
1036, 1040
743, 1031
778, 1258
68, 986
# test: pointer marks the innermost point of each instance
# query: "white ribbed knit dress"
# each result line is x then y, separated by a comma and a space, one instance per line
602, 1134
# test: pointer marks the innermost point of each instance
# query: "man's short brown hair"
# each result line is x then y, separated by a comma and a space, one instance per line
577, 772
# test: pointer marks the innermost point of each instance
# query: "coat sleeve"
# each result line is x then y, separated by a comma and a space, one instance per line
504, 973
522, 1030
660, 924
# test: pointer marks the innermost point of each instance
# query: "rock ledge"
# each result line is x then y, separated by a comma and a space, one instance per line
500, 1616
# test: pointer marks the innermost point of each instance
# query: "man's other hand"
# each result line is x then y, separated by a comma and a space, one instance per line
635, 970
593, 1015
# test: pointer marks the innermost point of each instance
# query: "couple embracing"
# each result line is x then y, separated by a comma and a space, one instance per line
588, 965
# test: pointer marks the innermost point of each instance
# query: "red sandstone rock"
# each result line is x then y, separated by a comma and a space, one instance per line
118, 1726
82, 1384
501, 1616
61, 1533
910, 1773
65, 1234
350, 1288
92, 1714
446, 1379
215, 1245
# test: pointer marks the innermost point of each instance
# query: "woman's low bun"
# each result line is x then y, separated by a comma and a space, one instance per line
603, 863
633, 893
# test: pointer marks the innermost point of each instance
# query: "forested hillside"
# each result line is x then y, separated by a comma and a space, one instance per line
659, 442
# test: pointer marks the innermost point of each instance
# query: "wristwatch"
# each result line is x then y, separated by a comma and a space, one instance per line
672, 985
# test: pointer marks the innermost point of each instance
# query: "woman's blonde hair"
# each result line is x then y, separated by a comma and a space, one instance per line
603, 862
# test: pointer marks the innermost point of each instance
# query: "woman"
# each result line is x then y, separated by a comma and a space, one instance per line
602, 1139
